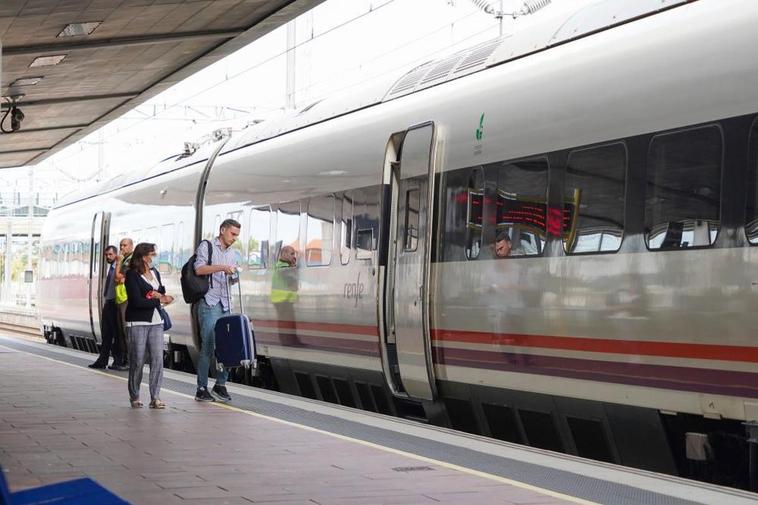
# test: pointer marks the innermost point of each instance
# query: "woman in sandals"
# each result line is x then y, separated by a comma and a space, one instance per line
144, 324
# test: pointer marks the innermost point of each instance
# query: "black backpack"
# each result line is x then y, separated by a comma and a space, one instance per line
195, 286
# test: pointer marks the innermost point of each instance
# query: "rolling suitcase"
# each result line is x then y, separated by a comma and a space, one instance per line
235, 340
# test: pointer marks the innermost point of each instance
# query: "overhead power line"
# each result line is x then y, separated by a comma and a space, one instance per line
372, 9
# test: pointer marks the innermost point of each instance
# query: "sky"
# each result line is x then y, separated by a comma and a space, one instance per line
340, 46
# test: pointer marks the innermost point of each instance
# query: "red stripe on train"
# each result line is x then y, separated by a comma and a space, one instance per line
610, 346
583, 344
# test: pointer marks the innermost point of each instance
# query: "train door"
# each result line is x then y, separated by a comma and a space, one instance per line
98, 242
406, 303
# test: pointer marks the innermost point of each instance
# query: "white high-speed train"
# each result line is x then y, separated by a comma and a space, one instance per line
615, 150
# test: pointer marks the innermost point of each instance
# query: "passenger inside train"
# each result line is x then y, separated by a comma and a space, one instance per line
502, 244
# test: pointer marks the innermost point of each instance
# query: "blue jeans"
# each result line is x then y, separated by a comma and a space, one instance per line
207, 317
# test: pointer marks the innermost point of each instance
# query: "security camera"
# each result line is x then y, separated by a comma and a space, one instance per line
16, 117
14, 112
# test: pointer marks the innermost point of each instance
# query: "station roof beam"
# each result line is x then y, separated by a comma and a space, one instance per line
74, 66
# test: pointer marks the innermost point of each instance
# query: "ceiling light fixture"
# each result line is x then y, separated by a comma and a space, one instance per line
79, 29
26, 81
47, 61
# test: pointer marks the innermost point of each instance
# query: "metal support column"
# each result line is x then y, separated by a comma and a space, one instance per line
291, 43
8, 261
30, 240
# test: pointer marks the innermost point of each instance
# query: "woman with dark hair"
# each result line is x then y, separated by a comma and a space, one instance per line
144, 324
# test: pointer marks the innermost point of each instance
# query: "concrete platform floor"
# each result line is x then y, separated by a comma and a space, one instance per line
60, 421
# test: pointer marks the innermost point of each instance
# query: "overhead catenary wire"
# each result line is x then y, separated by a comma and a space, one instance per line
416, 61
229, 77
528, 7
371, 10
399, 47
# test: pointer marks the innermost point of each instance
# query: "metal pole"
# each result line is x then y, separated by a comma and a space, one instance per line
29, 239
291, 40
8, 261
100, 155
500, 17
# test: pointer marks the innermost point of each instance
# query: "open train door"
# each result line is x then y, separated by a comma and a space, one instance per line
98, 242
406, 294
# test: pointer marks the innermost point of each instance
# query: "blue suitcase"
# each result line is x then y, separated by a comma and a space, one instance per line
235, 340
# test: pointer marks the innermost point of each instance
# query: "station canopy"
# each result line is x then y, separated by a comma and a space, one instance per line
75, 65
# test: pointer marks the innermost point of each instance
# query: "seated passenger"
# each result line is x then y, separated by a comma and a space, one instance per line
502, 244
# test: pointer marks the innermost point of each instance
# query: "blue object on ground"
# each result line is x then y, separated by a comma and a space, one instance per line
80, 491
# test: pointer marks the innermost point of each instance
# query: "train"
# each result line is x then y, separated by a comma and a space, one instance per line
614, 149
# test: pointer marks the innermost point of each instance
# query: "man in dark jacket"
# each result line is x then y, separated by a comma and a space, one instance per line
109, 319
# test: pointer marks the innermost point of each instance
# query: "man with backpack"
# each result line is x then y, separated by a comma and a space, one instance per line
216, 259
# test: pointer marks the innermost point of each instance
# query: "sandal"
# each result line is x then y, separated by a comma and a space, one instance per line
136, 404
157, 404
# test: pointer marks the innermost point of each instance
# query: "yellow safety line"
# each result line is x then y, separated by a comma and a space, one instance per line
451, 466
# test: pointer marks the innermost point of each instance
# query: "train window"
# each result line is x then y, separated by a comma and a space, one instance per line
66, 264
85, 255
178, 244
257, 243
593, 206
238, 245
521, 207
216, 227
73, 264
457, 215
166, 248
474, 214
151, 236
319, 231
346, 228
412, 205
366, 221
683, 191
751, 214
288, 226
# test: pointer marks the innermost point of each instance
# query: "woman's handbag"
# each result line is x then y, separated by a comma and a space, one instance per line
166, 319
120, 293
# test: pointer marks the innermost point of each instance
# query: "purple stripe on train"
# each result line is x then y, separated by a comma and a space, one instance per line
702, 380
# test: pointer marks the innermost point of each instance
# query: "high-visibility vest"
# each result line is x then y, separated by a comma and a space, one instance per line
284, 283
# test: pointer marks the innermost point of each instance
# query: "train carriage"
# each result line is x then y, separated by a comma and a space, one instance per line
616, 151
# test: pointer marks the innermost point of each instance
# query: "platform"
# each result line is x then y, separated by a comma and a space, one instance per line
60, 420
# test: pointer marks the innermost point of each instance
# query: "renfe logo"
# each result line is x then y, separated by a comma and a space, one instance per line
354, 290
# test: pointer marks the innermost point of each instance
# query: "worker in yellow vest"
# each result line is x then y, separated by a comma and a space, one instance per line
284, 295
284, 280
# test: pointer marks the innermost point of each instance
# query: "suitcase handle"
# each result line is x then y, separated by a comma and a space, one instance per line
229, 279
254, 362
